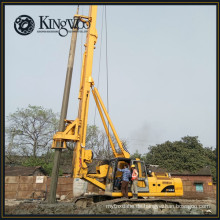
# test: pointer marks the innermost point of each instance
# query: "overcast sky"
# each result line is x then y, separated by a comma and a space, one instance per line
161, 64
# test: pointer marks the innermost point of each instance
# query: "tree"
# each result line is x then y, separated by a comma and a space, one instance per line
30, 131
211, 158
45, 162
187, 154
136, 155
98, 142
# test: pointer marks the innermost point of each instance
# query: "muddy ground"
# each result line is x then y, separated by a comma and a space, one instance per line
126, 207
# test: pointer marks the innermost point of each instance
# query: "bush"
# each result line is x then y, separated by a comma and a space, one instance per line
39, 161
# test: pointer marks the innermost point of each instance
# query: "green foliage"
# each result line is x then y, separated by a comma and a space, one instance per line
187, 154
47, 165
136, 155
211, 160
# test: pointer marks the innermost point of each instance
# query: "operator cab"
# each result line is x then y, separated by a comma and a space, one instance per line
113, 178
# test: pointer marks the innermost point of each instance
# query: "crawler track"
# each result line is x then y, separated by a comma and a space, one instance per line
87, 201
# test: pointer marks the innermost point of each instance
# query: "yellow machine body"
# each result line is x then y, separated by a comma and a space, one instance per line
76, 132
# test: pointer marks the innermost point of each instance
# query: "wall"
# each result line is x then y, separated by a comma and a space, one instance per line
25, 187
189, 188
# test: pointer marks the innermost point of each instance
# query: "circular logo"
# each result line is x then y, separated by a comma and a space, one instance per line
24, 25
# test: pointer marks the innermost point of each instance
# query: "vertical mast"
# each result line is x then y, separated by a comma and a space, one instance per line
84, 93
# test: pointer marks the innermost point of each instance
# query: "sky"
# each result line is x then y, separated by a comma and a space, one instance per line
161, 63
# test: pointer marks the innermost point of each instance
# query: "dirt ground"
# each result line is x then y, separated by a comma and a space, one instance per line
180, 207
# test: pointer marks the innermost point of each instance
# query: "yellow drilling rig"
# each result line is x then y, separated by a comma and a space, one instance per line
149, 184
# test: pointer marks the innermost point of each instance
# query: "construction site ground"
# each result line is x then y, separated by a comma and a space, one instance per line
145, 206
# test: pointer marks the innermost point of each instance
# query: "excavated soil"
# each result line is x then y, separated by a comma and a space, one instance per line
182, 207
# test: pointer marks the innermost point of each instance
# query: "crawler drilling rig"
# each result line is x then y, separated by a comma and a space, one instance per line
149, 184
